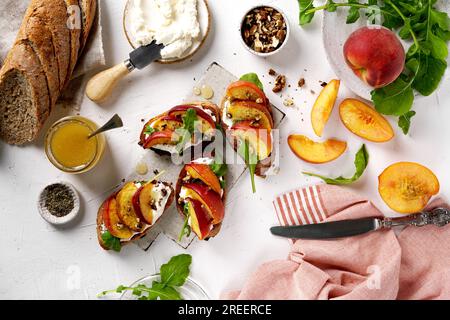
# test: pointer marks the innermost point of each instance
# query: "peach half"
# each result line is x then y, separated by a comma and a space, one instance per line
406, 187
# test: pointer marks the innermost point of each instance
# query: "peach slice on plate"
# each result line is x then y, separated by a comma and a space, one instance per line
365, 121
244, 90
323, 106
316, 152
406, 187
209, 199
204, 173
126, 211
259, 139
249, 110
112, 221
200, 221
160, 137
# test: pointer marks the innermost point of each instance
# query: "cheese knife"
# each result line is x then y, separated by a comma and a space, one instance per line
348, 228
100, 86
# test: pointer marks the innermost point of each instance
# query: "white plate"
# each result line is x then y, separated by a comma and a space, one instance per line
335, 32
204, 18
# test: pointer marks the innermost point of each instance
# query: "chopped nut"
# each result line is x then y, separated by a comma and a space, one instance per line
323, 84
301, 82
280, 83
288, 102
272, 72
259, 100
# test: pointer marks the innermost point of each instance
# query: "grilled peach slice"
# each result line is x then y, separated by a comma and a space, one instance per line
244, 90
259, 139
142, 203
316, 152
365, 121
112, 221
323, 106
167, 123
209, 199
200, 221
204, 173
207, 122
249, 110
160, 137
406, 187
126, 211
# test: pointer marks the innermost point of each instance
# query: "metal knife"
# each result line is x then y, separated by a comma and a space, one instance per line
347, 228
100, 86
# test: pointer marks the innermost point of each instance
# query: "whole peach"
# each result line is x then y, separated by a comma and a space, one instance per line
375, 54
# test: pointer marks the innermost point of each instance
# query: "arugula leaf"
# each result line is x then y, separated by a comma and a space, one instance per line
250, 158
173, 274
186, 229
176, 271
220, 169
404, 121
394, 99
253, 78
189, 119
111, 242
353, 13
149, 130
304, 17
361, 161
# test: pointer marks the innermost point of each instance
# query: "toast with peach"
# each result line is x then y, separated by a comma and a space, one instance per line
200, 196
131, 212
180, 128
247, 117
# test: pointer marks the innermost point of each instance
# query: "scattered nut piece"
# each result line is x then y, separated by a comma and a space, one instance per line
288, 102
280, 83
301, 82
272, 72
323, 83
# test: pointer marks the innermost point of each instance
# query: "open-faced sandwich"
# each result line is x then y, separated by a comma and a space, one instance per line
248, 119
129, 213
200, 196
181, 127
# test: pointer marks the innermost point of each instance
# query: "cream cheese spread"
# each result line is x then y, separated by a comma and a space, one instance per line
173, 23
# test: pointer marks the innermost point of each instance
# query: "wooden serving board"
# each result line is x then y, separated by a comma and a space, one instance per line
171, 222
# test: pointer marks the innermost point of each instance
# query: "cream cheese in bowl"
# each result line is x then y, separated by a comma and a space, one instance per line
174, 23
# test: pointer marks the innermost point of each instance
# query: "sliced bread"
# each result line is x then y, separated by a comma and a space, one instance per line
74, 24
88, 12
24, 98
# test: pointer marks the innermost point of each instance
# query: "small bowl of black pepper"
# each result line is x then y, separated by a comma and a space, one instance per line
264, 30
59, 203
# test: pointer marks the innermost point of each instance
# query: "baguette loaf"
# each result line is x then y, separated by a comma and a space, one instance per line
40, 64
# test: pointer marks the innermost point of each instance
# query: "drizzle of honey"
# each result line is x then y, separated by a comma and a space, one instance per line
70, 145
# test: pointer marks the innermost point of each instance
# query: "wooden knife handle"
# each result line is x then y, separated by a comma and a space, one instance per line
100, 86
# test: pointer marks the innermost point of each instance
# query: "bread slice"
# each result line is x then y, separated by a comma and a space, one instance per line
39, 37
88, 12
73, 18
24, 98
100, 224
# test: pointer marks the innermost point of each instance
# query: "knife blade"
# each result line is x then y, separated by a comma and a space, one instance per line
100, 86
328, 230
439, 217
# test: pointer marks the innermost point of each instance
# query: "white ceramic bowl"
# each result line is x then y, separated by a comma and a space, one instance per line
262, 54
47, 216
189, 291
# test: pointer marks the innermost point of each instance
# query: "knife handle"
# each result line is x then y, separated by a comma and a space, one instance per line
100, 86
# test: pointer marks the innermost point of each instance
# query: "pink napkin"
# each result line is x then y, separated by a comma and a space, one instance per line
376, 265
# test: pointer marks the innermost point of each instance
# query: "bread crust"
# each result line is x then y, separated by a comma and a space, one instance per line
88, 13
54, 15
138, 235
74, 36
22, 58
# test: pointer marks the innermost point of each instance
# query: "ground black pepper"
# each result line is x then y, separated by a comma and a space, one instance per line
58, 199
